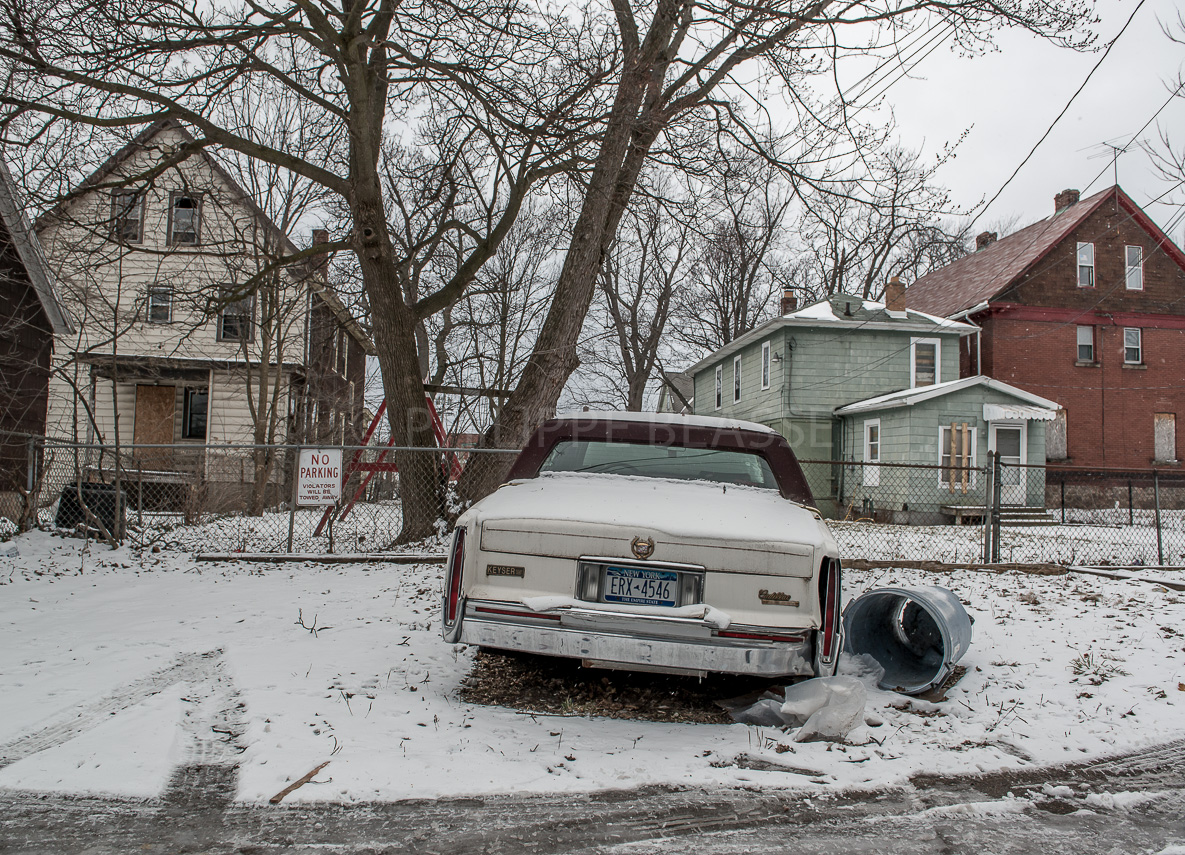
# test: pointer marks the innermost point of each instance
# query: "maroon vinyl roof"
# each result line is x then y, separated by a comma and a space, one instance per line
982, 275
665, 431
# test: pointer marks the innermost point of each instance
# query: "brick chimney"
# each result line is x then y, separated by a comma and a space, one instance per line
789, 301
985, 239
320, 264
1064, 199
895, 294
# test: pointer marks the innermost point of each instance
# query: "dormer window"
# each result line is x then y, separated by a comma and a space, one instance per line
184, 219
127, 216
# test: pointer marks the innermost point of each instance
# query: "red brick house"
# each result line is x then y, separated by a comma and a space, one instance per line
1086, 308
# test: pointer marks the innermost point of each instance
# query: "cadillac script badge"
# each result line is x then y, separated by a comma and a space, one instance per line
643, 549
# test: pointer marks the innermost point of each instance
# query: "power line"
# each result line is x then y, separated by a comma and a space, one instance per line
1063, 112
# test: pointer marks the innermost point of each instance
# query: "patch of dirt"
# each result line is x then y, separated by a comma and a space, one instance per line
562, 686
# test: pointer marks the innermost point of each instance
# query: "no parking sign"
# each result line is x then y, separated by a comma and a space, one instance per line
319, 477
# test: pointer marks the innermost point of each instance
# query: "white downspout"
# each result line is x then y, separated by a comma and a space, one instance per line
966, 316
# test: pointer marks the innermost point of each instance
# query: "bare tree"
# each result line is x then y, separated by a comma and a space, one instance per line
887, 222
739, 260
626, 332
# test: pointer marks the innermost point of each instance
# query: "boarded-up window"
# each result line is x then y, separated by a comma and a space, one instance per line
956, 452
1164, 430
1055, 437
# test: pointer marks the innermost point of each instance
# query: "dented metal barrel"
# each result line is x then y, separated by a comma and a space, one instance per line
917, 634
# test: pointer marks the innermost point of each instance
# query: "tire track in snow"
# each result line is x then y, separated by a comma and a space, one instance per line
212, 724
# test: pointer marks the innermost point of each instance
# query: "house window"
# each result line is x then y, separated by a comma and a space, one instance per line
1164, 437
127, 216
1086, 344
341, 352
1133, 347
872, 452
765, 365
719, 385
235, 321
1133, 271
197, 405
736, 379
956, 456
924, 359
1086, 265
184, 220
160, 304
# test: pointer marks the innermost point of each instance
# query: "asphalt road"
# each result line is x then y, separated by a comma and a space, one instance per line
1071, 809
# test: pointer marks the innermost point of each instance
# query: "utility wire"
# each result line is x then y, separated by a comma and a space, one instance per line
1063, 112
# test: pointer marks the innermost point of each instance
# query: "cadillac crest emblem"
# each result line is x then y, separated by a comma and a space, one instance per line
642, 549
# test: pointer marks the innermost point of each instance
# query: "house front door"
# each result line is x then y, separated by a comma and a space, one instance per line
155, 406
1008, 441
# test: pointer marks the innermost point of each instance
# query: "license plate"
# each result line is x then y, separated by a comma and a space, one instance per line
641, 587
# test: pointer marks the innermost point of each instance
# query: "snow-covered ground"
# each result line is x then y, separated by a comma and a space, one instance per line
116, 661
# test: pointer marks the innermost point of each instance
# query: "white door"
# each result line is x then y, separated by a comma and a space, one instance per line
1008, 441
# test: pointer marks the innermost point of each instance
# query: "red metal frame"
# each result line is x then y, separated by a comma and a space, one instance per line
451, 465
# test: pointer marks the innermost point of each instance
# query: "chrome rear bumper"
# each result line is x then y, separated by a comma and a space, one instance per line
638, 642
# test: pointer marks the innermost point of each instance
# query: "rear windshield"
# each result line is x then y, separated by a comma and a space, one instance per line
726, 466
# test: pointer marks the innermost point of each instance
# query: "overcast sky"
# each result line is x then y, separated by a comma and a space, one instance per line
1008, 99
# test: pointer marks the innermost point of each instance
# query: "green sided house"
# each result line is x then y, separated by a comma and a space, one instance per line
852, 380
950, 426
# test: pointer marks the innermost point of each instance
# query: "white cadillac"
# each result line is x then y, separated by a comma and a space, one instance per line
647, 542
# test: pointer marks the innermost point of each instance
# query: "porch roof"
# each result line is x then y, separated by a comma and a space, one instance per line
908, 397
179, 369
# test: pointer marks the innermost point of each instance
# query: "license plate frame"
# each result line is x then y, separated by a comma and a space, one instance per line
639, 586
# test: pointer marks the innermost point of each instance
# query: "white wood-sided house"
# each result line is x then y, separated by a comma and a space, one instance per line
181, 336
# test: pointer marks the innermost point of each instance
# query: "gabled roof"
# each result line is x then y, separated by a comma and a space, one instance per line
285, 244
29, 251
842, 312
909, 397
981, 276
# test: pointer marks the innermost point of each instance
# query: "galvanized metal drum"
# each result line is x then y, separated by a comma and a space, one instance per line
917, 634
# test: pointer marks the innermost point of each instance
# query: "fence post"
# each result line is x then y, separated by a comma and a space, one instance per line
31, 477
1130, 519
1159, 534
292, 503
987, 509
996, 494
1063, 500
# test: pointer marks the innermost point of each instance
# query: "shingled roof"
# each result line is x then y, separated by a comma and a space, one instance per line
981, 276
19, 233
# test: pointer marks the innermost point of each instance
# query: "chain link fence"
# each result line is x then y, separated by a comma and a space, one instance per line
240, 499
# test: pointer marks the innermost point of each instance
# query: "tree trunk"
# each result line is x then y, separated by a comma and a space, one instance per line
394, 326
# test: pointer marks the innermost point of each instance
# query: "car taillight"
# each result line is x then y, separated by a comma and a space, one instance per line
456, 561
829, 593
758, 636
